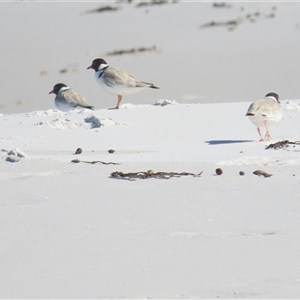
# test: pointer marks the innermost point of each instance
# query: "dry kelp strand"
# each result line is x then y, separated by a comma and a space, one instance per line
262, 173
282, 144
150, 174
76, 161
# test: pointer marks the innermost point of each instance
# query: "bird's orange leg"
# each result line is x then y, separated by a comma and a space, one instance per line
261, 138
118, 103
267, 136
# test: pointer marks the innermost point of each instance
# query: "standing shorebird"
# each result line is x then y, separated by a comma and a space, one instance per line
265, 112
116, 81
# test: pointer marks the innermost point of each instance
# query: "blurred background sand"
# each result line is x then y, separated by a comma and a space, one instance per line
250, 49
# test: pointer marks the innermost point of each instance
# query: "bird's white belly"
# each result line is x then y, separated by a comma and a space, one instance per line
63, 105
259, 120
118, 89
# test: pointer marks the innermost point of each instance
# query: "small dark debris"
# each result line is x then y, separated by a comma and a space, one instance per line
219, 171
268, 233
75, 161
270, 16
230, 23
78, 151
261, 173
242, 173
131, 51
63, 71
221, 5
152, 2
93, 162
111, 151
103, 9
12, 158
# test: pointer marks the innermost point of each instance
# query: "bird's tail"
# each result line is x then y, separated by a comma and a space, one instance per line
88, 107
150, 85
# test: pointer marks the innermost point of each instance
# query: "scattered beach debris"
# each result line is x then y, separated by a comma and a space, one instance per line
12, 158
13, 155
78, 151
262, 173
111, 151
154, 2
219, 171
232, 24
164, 102
221, 5
97, 122
242, 173
76, 161
270, 16
131, 51
150, 174
70, 67
103, 9
291, 105
282, 145
17, 152
94, 120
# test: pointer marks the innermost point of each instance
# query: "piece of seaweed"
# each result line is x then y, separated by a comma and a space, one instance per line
150, 174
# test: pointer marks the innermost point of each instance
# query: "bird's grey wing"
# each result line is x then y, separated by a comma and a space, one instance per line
253, 108
74, 98
264, 107
114, 77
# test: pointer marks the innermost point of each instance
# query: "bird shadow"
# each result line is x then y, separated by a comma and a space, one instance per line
221, 142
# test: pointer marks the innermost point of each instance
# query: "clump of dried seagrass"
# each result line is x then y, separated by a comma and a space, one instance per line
282, 145
150, 174
76, 161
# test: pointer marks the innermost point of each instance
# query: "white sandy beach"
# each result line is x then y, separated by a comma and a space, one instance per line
71, 230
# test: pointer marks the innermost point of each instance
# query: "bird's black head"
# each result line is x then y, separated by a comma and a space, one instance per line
274, 95
97, 63
57, 87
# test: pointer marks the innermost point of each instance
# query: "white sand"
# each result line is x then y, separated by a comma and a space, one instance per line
68, 230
